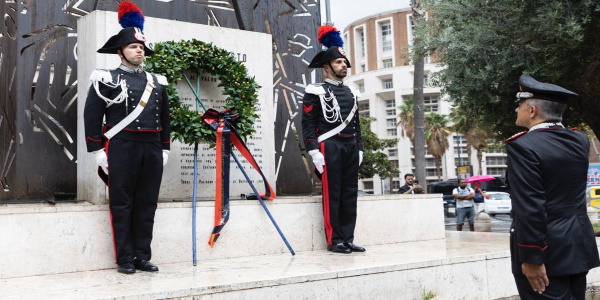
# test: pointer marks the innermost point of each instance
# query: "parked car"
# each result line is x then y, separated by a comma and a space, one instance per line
445, 188
497, 203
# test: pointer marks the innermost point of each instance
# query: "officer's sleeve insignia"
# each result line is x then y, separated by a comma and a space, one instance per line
162, 79
307, 108
515, 136
314, 89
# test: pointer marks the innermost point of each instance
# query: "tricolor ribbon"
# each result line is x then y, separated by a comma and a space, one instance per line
223, 123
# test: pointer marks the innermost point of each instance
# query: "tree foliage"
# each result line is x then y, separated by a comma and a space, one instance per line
486, 45
436, 136
374, 160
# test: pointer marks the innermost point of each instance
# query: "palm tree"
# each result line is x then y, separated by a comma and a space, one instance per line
407, 120
468, 123
436, 137
477, 137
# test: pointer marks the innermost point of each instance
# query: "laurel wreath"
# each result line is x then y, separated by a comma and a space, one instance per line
172, 59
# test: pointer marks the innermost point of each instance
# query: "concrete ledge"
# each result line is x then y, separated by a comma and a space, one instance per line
465, 265
42, 239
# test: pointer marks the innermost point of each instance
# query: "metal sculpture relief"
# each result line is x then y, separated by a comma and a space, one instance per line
38, 83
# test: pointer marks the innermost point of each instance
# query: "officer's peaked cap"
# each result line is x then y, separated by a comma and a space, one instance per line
531, 88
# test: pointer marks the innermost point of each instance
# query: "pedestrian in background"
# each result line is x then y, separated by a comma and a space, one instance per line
464, 205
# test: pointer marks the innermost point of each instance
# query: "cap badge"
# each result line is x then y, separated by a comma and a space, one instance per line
139, 35
341, 51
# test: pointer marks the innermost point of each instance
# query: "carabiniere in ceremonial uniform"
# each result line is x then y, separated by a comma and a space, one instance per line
135, 137
332, 136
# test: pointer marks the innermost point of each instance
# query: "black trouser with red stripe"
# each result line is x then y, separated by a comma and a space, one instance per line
340, 185
135, 173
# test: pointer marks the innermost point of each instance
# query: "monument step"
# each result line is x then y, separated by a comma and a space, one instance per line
464, 265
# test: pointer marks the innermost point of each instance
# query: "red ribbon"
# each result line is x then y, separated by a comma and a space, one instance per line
223, 124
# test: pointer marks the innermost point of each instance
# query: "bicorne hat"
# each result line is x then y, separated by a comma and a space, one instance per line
329, 37
531, 88
132, 21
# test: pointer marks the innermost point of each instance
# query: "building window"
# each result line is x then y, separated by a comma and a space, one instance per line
390, 103
393, 152
463, 161
392, 132
432, 172
495, 151
368, 185
362, 43
430, 103
363, 68
394, 163
361, 87
496, 171
390, 112
390, 122
386, 37
387, 83
459, 139
495, 160
387, 63
395, 185
460, 150
429, 162
363, 105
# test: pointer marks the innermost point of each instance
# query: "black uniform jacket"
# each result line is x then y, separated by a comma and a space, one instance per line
313, 119
152, 125
547, 174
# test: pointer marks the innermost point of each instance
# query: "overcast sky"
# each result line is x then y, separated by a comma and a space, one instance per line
344, 12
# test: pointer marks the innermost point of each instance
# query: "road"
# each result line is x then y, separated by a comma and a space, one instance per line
500, 223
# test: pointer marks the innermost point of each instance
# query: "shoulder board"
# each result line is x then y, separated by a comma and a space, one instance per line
315, 89
515, 136
161, 79
101, 75
354, 91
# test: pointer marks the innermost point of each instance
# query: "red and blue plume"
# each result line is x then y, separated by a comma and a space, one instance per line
130, 15
329, 36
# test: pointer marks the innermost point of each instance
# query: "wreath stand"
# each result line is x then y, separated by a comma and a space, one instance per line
172, 59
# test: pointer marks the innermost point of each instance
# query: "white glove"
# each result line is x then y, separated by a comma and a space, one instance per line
360, 157
102, 160
165, 157
318, 159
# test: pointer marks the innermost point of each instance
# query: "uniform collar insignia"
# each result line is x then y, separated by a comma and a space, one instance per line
546, 125
130, 70
334, 82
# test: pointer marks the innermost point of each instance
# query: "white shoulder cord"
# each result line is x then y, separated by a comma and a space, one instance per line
331, 111
119, 98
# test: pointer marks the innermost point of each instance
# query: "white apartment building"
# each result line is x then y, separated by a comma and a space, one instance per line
377, 47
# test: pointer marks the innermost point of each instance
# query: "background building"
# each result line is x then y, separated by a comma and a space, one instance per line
378, 48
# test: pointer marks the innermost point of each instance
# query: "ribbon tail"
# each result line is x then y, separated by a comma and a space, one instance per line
241, 146
223, 149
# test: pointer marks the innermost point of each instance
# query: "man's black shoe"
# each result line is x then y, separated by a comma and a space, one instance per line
355, 248
144, 265
126, 268
339, 248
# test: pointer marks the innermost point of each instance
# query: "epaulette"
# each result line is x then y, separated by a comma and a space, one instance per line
161, 79
355, 91
315, 89
515, 136
102, 75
